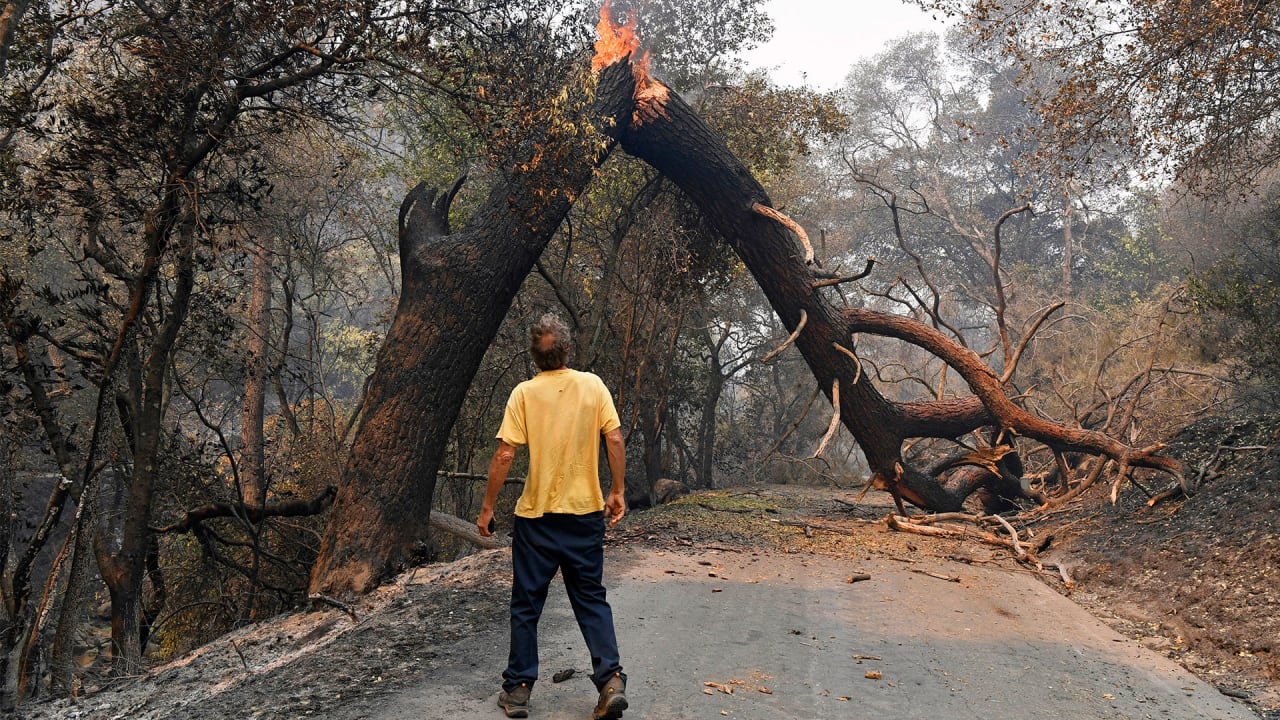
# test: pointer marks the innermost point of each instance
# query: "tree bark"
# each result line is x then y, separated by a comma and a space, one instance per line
252, 471
124, 570
457, 287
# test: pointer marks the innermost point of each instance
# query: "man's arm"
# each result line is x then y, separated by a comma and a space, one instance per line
499, 466
615, 505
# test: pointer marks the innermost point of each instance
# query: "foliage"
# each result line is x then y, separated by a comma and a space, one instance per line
1180, 85
1242, 294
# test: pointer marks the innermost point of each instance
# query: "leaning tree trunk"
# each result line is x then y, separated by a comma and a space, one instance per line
456, 290
668, 134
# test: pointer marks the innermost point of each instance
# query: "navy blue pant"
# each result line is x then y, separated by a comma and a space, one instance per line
575, 545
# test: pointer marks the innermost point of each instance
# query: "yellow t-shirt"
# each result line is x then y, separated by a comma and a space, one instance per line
560, 415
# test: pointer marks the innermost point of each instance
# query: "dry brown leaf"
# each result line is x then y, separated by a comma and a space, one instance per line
873, 675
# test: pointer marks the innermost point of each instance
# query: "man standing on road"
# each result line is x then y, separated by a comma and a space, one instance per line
560, 518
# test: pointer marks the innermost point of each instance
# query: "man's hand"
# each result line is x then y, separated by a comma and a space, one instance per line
615, 506
498, 468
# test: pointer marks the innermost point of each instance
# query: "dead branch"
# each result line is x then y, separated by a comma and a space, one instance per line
791, 225
998, 284
940, 576
897, 522
985, 385
835, 418
460, 528
1026, 339
1160, 497
838, 280
793, 427
857, 375
1013, 537
321, 598
804, 318
251, 513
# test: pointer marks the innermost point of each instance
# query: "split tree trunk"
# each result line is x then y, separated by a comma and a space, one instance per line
457, 288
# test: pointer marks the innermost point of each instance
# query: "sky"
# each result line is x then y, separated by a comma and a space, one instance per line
817, 40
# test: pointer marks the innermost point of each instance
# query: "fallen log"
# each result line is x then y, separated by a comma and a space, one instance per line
457, 527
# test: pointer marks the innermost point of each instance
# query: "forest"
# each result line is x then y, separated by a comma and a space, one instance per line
267, 269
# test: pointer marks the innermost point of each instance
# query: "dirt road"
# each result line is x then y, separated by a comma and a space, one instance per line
792, 639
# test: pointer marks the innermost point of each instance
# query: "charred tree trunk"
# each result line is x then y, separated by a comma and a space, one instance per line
651, 426
457, 288
668, 134
124, 570
252, 472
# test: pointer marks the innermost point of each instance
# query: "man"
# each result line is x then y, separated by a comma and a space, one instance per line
560, 518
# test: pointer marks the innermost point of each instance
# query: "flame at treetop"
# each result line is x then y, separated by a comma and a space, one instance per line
616, 42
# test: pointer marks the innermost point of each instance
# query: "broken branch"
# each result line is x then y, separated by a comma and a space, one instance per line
804, 318
835, 418
857, 373
828, 282
251, 513
791, 225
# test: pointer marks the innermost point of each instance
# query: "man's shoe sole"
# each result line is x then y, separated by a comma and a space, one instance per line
613, 709
513, 711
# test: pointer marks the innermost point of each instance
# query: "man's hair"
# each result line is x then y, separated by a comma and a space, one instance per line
553, 357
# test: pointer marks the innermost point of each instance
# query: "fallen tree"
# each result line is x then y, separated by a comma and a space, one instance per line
669, 135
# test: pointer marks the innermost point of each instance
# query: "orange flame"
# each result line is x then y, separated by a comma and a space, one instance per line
617, 42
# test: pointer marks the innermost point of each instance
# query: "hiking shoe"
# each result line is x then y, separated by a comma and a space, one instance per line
613, 700
515, 703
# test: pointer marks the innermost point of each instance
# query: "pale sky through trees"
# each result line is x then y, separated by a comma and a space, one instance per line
817, 40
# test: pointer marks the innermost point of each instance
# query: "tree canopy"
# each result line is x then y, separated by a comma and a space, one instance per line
1187, 86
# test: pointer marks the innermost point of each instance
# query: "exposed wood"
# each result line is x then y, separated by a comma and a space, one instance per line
1013, 537
791, 225
857, 375
835, 418
804, 318
458, 527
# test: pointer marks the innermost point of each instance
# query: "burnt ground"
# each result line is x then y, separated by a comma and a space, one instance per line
1194, 579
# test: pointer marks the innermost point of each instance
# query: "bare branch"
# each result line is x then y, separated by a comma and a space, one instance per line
836, 280
791, 225
835, 418
804, 318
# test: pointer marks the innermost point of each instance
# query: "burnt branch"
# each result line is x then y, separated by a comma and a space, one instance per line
251, 513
